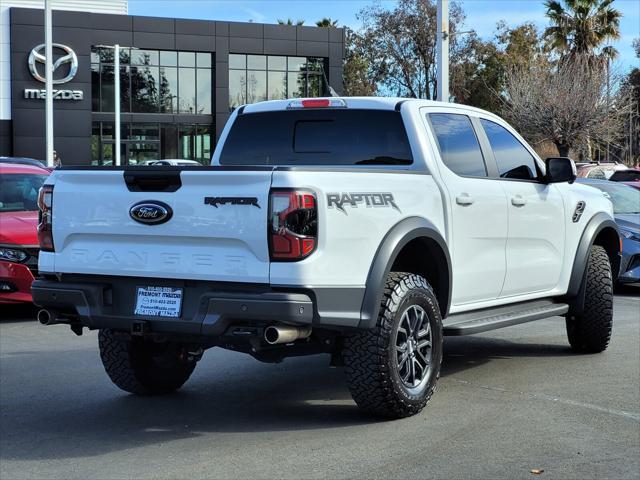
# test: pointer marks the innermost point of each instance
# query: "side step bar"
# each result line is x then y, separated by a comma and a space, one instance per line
478, 321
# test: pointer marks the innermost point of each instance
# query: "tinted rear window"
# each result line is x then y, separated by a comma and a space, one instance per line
318, 137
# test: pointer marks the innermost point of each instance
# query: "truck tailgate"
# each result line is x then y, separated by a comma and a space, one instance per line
217, 230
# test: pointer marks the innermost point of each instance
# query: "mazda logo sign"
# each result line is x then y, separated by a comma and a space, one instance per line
37, 56
151, 212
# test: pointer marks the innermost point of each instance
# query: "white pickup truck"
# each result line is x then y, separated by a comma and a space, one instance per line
365, 228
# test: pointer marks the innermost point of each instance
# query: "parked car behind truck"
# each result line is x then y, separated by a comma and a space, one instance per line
19, 185
363, 228
626, 211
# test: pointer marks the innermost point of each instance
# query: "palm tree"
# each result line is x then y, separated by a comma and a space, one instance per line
583, 27
288, 21
326, 22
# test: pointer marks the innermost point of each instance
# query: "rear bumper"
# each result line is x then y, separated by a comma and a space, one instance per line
208, 309
17, 279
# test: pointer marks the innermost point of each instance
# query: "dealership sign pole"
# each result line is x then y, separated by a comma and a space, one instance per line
48, 65
116, 71
442, 40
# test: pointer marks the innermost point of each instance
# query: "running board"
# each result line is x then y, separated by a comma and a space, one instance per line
478, 321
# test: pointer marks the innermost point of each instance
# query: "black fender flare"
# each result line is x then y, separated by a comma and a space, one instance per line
400, 235
597, 223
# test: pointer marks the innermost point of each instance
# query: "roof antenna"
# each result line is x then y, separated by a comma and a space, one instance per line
332, 92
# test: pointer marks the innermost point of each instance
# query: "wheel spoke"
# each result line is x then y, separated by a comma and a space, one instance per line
405, 377
420, 366
403, 361
412, 369
425, 357
425, 331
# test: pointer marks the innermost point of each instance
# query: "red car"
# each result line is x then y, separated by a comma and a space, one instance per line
19, 185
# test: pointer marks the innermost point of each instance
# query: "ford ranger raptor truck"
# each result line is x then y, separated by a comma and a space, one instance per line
365, 228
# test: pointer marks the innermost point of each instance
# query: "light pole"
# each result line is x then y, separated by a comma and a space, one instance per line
442, 20
116, 94
48, 67
116, 99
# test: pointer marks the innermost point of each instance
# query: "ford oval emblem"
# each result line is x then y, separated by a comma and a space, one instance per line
151, 212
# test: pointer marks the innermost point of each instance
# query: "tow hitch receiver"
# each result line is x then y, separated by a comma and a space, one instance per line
139, 327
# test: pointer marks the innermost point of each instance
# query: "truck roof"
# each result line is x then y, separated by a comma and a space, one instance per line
373, 103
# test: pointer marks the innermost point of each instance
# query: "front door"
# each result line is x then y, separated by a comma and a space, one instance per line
535, 245
478, 210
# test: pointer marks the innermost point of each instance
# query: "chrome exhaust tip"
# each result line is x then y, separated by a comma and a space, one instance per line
44, 317
278, 334
50, 317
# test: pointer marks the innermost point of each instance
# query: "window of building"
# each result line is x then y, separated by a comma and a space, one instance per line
513, 159
153, 81
253, 78
144, 142
458, 145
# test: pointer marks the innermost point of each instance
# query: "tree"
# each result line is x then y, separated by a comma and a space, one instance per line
326, 22
358, 76
401, 45
478, 77
288, 21
564, 104
631, 87
583, 27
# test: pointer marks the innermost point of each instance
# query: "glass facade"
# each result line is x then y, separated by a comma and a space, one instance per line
143, 142
153, 81
254, 78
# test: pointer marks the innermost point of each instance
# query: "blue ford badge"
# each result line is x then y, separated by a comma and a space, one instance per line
151, 212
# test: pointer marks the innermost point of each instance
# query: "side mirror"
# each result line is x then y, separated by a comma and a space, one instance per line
560, 169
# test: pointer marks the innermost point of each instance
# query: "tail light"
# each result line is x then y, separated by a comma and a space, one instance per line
45, 223
293, 224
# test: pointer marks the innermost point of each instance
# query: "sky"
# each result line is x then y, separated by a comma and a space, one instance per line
482, 15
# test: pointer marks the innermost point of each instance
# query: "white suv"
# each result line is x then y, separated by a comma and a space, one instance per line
366, 228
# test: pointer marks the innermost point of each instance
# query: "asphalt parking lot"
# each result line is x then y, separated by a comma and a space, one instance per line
509, 401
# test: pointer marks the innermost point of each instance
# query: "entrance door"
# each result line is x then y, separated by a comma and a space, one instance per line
131, 153
138, 153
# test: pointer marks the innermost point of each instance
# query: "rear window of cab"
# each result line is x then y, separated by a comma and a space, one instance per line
318, 137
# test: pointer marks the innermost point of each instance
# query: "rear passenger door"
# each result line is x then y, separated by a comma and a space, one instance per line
535, 245
477, 206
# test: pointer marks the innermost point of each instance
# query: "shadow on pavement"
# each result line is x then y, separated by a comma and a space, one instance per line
17, 312
463, 353
627, 290
74, 416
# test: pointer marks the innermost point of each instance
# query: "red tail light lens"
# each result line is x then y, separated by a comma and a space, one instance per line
293, 224
45, 223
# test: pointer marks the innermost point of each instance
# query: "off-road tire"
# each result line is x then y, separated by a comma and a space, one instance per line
591, 331
371, 365
141, 366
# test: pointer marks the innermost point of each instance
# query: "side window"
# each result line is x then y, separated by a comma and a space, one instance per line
459, 147
513, 159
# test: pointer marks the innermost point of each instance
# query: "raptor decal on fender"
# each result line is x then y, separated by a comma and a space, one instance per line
369, 199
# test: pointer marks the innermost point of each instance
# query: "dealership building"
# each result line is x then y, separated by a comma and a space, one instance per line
179, 78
